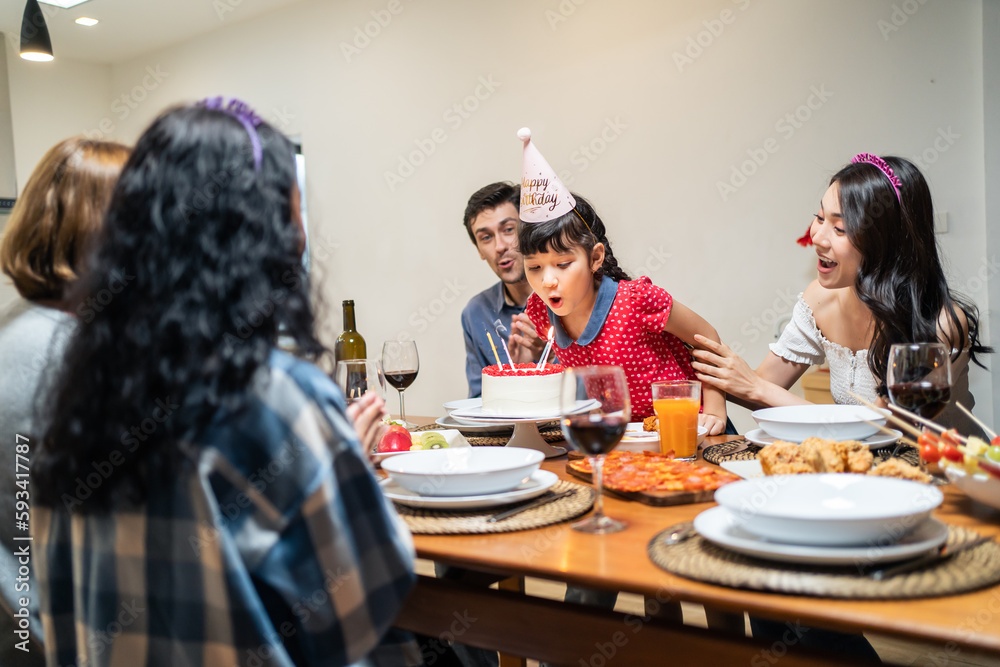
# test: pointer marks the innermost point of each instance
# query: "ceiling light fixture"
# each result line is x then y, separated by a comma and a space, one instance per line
64, 4
87, 21
35, 42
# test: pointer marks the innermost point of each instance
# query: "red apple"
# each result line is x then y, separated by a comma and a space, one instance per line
395, 439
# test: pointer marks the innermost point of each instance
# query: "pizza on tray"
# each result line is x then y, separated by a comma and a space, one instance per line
645, 472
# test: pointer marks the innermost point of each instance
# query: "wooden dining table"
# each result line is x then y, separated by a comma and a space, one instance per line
568, 634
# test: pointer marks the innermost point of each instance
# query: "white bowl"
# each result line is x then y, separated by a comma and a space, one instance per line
981, 486
463, 471
835, 422
829, 509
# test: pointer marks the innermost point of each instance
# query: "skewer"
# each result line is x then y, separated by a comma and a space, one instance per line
889, 431
990, 432
901, 423
917, 418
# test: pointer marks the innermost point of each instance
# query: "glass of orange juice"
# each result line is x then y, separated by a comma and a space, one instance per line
677, 404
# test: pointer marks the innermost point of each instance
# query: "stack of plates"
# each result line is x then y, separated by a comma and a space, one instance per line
466, 478
795, 423
470, 426
827, 519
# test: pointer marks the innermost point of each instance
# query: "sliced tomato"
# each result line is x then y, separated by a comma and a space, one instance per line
995, 441
951, 437
930, 453
928, 438
951, 453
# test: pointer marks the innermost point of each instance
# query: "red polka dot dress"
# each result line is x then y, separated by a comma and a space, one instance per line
625, 329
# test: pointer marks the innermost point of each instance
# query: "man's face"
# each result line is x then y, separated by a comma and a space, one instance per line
495, 231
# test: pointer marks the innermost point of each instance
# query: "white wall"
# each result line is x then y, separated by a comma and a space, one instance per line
50, 102
991, 118
664, 135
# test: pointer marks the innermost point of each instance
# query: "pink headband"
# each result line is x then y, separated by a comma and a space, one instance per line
881, 165
878, 163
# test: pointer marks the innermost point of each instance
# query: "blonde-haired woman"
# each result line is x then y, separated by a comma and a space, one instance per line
42, 251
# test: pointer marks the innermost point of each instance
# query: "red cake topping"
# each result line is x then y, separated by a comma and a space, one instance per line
522, 370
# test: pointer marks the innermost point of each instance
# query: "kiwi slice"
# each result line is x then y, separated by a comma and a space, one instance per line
431, 440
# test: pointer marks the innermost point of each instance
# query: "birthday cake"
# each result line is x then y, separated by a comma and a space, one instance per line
523, 391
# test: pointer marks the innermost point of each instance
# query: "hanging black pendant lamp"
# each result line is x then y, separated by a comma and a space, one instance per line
35, 42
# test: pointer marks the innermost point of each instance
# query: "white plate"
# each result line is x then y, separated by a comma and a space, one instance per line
834, 509
635, 433
717, 525
745, 469
476, 414
462, 404
837, 422
539, 483
980, 486
759, 436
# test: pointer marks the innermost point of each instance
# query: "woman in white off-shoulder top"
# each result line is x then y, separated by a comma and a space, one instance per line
879, 282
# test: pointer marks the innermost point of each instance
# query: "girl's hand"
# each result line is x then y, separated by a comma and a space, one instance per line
718, 366
524, 344
367, 413
713, 423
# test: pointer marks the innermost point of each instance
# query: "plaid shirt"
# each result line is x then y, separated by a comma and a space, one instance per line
276, 547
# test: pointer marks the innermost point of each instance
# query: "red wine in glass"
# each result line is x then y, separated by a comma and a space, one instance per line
593, 437
927, 399
401, 379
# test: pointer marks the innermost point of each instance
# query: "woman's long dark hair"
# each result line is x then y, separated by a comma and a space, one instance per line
568, 231
198, 267
900, 278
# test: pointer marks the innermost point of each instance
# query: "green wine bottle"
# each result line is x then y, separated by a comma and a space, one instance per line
350, 344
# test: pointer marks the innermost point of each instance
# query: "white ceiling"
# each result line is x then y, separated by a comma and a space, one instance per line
129, 28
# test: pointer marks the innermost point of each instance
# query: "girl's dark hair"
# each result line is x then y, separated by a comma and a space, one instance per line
198, 267
900, 278
567, 232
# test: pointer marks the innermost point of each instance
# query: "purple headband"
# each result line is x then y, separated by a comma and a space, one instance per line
881, 165
242, 112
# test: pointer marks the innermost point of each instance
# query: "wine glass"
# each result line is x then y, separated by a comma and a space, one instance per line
400, 363
357, 377
596, 431
919, 377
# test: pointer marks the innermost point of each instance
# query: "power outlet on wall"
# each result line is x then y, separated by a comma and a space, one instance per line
941, 222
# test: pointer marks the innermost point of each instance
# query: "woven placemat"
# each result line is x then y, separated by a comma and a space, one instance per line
699, 559
550, 434
445, 522
742, 449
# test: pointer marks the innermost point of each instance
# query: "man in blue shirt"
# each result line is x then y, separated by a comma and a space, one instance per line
491, 219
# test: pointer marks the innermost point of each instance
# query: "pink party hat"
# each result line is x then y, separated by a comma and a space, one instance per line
543, 195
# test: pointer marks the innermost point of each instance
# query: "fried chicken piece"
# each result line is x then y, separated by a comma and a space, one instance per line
651, 423
824, 455
784, 458
901, 470
858, 458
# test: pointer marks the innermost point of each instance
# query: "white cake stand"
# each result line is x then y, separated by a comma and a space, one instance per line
525, 434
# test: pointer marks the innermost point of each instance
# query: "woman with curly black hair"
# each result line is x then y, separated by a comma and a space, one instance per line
197, 481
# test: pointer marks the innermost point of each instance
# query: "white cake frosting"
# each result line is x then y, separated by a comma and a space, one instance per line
525, 394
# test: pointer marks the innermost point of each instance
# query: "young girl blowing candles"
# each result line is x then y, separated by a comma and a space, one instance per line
600, 315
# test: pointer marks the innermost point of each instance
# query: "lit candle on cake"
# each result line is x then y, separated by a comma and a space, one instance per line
494, 347
545, 353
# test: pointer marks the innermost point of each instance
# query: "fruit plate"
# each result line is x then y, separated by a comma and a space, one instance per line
719, 526
452, 437
759, 436
540, 482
